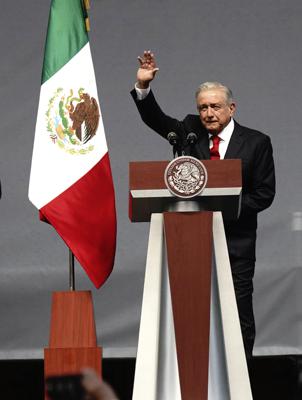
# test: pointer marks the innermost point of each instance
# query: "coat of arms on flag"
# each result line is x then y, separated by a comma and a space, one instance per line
72, 120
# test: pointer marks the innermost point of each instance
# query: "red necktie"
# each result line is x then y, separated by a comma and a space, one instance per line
214, 151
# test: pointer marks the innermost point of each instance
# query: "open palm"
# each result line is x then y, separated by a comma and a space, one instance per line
147, 69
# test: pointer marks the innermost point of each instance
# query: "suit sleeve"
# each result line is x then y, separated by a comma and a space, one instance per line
261, 190
155, 118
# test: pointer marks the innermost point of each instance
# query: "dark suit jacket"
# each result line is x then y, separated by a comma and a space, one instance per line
258, 175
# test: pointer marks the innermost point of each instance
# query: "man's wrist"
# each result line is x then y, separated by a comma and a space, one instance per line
141, 93
142, 84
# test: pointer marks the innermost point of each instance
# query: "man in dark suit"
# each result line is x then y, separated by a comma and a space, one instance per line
219, 136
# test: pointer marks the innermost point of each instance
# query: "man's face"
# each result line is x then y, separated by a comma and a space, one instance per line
214, 111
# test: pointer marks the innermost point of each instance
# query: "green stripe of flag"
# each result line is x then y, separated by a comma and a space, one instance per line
66, 35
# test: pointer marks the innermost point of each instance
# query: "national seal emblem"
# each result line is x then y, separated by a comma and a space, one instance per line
72, 120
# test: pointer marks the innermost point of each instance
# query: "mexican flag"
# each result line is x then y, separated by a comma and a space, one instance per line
70, 181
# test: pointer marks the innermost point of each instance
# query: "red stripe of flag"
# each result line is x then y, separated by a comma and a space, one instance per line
84, 216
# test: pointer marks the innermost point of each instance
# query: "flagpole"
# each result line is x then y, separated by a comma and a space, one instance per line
71, 271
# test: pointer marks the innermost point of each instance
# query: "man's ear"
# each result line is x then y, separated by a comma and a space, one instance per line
232, 109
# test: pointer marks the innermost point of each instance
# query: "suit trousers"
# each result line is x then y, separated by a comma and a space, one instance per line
243, 273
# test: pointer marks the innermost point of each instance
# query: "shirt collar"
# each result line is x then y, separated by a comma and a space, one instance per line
226, 133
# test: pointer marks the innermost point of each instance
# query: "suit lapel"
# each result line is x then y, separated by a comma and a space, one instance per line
203, 145
236, 142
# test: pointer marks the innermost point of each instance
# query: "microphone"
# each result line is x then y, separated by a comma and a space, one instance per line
173, 138
192, 138
174, 141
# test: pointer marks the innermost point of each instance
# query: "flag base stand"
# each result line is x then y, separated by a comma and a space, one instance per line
72, 341
71, 361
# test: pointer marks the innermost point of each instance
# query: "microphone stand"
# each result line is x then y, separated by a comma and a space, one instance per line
173, 139
191, 140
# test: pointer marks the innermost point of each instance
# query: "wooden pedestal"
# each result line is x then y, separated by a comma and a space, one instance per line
72, 342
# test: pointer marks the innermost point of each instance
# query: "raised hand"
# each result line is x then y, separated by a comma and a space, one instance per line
147, 69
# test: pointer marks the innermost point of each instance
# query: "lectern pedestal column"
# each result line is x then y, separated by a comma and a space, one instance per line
189, 253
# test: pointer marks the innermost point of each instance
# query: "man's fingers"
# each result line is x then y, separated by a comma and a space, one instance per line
147, 61
148, 54
142, 63
144, 59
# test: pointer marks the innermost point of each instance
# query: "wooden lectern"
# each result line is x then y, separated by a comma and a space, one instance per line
190, 345
72, 342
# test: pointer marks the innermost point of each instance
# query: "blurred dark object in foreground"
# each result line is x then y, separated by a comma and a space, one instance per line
65, 387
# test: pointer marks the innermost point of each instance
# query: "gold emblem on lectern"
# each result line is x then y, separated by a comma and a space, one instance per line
185, 176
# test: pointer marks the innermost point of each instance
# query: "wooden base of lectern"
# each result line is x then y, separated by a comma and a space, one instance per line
72, 342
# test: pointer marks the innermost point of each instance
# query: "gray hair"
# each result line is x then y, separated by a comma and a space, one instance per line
215, 85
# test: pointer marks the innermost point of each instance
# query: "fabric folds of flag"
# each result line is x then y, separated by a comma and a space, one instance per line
70, 181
